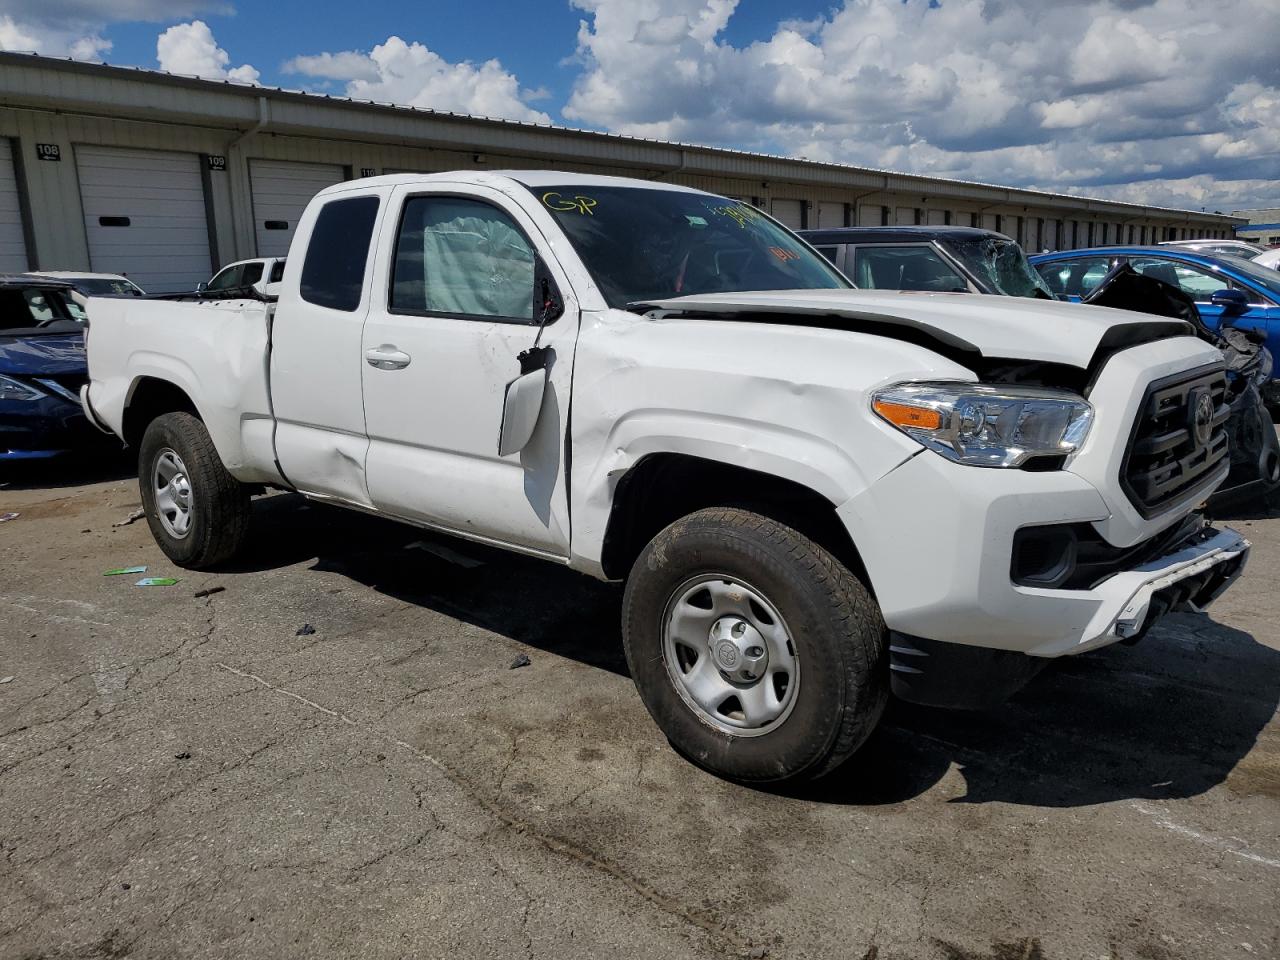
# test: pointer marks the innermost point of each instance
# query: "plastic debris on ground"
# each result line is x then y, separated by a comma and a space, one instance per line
131, 518
156, 582
120, 571
209, 592
7, 679
305, 630
520, 661
185, 755
444, 553
6, 517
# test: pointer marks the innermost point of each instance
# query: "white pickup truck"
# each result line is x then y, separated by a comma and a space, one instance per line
814, 494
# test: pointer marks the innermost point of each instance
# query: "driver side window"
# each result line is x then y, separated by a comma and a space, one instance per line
1076, 277
1199, 285
461, 257
911, 267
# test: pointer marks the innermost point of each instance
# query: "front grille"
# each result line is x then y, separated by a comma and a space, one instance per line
1172, 455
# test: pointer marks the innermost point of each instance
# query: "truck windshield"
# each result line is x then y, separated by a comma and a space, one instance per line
1002, 264
644, 244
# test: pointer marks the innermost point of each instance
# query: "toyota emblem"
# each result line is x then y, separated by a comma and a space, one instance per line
1202, 419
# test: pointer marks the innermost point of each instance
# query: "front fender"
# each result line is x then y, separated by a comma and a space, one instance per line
790, 453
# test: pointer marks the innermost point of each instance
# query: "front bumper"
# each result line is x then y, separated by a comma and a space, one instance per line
937, 538
34, 429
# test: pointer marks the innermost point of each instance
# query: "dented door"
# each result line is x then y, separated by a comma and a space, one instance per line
455, 308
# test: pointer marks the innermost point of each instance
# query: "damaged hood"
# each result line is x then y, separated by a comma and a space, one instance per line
47, 355
1020, 328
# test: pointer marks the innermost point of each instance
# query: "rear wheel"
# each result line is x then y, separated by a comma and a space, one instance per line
757, 653
197, 512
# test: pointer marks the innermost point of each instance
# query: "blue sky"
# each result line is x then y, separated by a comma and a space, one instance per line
1142, 100
536, 38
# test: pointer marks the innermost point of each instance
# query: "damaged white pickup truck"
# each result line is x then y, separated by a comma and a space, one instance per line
814, 494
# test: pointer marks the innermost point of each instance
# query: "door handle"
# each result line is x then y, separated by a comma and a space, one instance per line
387, 357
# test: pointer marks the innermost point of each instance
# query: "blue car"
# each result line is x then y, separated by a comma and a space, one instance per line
1224, 288
42, 366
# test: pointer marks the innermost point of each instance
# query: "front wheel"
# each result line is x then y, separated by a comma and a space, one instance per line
758, 654
197, 511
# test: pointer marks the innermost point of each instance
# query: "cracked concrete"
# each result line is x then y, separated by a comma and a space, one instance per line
186, 777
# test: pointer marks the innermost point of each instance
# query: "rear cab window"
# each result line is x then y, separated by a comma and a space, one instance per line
338, 253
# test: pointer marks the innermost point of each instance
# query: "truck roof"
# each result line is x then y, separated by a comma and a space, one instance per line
527, 178
898, 234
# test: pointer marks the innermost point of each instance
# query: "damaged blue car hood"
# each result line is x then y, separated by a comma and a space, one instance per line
43, 355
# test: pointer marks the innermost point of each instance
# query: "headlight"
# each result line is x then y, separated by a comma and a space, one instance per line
987, 426
11, 389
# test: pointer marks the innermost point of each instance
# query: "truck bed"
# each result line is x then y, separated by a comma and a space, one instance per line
217, 351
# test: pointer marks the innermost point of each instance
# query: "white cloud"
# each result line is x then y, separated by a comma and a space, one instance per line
411, 74
1151, 98
51, 41
73, 28
190, 49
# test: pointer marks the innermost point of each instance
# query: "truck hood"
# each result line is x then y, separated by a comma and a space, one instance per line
45, 355
958, 324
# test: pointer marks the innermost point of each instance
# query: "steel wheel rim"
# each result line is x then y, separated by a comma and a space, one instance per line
171, 488
730, 655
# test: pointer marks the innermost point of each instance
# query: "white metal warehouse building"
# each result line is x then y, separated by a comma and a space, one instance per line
166, 178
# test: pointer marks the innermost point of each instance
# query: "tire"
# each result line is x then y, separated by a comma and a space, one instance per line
840, 665
218, 508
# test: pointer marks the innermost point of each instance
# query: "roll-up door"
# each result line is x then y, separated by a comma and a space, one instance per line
13, 245
790, 212
830, 215
281, 191
144, 216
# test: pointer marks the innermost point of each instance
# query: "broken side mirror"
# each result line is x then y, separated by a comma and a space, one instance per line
523, 400
1232, 302
520, 410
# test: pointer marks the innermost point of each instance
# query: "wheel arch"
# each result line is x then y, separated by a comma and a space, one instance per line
150, 397
662, 487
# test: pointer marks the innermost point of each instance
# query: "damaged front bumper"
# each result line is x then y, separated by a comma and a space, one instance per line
1190, 577
938, 543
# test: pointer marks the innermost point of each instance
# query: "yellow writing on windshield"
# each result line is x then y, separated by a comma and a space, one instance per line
739, 213
563, 204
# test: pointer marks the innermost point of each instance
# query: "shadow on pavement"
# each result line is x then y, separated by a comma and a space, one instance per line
528, 600
1170, 717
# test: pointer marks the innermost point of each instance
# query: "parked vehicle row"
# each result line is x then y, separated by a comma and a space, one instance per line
816, 495
1224, 289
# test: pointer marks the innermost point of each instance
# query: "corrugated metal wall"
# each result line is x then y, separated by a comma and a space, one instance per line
54, 194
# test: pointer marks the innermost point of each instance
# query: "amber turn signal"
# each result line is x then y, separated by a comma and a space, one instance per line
905, 415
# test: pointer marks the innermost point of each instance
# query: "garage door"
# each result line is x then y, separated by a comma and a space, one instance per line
788, 211
830, 215
904, 216
870, 215
144, 216
13, 247
281, 191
